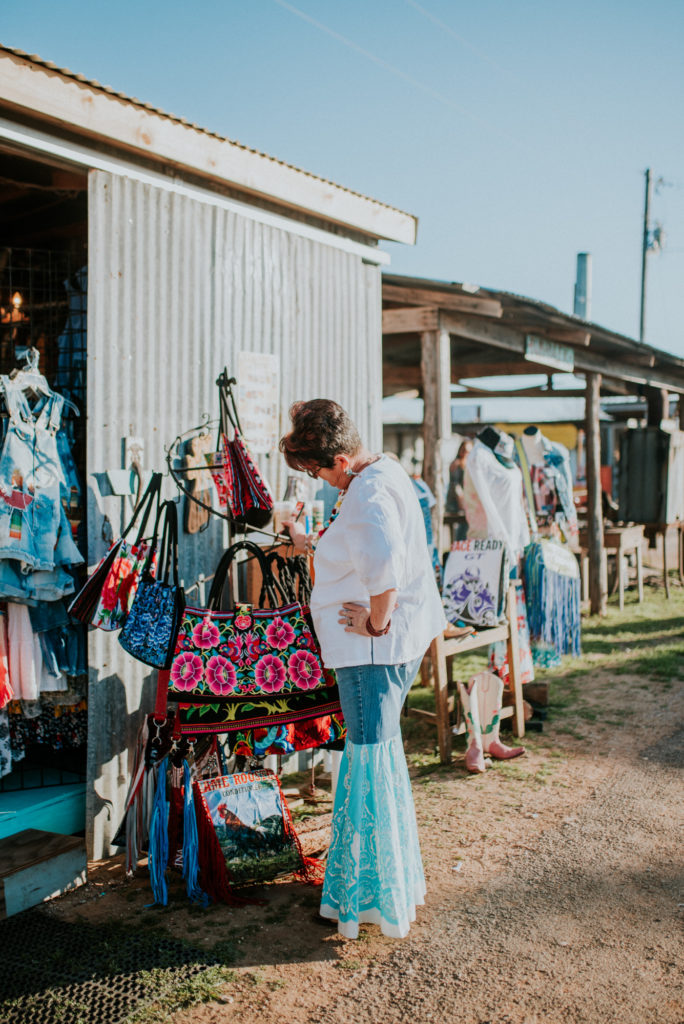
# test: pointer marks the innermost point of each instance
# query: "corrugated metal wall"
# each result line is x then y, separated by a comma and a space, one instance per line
176, 289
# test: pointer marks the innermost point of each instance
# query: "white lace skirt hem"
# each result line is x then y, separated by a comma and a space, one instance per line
350, 929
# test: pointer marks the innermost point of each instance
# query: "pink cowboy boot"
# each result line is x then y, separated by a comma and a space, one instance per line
489, 688
474, 758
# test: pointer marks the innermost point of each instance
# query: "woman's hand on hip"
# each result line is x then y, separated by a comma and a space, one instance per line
353, 616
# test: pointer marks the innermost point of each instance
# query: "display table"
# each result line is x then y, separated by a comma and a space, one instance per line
445, 647
618, 541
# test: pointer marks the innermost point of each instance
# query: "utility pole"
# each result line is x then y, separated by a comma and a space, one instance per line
644, 252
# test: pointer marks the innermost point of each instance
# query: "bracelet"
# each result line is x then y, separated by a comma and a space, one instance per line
370, 628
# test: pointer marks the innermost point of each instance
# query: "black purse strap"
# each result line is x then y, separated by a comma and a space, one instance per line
229, 413
152, 491
299, 568
161, 513
167, 565
270, 590
169, 547
285, 580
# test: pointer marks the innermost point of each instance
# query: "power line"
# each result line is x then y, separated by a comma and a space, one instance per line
386, 66
464, 42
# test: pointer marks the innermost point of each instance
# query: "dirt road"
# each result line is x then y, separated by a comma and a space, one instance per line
556, 891
555, 885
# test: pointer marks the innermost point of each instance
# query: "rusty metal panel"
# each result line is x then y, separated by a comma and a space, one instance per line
176, 289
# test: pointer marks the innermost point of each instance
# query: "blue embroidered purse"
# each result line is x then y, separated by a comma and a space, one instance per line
150, 631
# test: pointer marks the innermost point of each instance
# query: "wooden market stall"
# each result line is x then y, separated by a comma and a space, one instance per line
437, 334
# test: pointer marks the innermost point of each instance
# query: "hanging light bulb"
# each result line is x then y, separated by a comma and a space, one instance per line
17, 300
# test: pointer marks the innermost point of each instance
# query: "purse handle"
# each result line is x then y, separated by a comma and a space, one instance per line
271, 591
152, 491
229, 413
168, 546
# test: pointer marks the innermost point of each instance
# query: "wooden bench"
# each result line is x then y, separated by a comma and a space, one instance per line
446, 647
37, 865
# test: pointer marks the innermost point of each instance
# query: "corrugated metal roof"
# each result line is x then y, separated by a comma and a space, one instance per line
97, 86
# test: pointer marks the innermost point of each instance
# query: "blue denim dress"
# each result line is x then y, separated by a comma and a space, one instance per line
34, 529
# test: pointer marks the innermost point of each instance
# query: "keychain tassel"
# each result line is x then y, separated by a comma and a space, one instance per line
191, 843
158, 851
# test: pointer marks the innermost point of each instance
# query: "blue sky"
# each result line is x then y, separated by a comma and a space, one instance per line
518, 133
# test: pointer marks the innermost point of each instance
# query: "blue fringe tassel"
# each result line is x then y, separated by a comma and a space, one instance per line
553, 603
190, 843
158, 849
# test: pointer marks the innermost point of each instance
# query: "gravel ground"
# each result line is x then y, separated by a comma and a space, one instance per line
555, 884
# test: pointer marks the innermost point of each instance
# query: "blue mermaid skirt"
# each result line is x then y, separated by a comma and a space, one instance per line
374, 872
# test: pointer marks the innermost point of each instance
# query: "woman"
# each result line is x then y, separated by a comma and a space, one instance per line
376, 608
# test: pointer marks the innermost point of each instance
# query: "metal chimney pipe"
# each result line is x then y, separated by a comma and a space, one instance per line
582, 305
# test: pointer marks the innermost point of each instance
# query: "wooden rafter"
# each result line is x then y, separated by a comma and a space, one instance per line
444, 300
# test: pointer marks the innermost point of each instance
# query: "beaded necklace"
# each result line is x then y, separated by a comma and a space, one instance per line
330, 520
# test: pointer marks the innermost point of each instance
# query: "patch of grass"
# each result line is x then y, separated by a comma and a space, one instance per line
349, 965
569, 731
510, 771
206, 987
310, 811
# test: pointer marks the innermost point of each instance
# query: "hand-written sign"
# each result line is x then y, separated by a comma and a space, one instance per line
549, 353
258, 376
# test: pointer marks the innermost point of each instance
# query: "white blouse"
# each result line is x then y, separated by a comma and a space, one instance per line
376, 543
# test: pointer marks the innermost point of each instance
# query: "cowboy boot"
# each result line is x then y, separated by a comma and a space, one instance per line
474, 758
489, 688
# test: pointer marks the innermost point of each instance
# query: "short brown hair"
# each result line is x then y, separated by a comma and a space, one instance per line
321, 429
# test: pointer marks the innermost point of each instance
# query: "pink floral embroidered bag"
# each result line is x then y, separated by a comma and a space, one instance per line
248, 667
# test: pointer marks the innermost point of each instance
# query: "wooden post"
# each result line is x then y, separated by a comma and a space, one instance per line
598, 582
514, 667
439, 668
435, 365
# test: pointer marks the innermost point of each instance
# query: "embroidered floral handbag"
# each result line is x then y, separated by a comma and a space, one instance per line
150, 631
107, 595
248, 667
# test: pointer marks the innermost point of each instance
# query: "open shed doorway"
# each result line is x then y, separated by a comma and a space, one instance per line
43, 307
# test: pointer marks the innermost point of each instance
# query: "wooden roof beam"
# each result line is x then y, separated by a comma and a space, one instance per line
408, 319
500, 336
443, 300
563, 335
